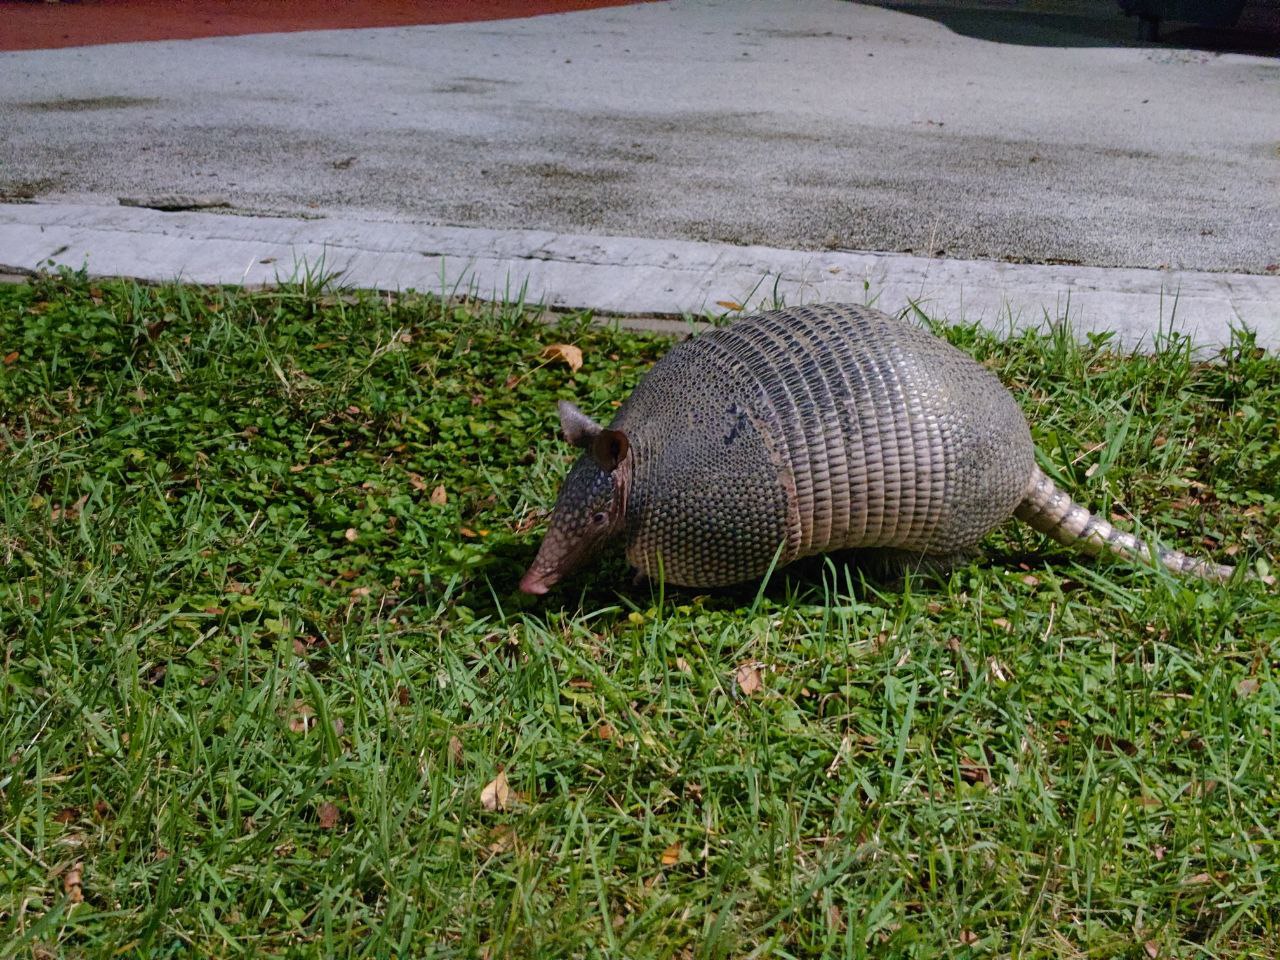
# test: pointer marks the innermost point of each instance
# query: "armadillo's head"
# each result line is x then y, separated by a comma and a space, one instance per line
592, 505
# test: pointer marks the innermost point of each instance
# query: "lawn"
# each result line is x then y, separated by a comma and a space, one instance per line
268, 689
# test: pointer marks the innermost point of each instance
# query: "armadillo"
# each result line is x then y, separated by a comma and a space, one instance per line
803, 431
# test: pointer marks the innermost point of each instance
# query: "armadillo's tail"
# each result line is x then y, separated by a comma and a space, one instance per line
1050, 509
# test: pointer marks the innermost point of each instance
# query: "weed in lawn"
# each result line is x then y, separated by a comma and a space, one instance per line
265, 669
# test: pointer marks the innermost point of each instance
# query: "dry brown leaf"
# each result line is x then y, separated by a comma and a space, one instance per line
502, 839
71, 884
416, 481
69, 512
1152, 948
497, 793
455, 750
1247, 687
565, 352
998, 670
968, 937
468, 532
683, 665
439, 496
1197, 879
729, 304
327, 816
671, 855
748, 677
606, 732
10, 358
1002, 623
303, 717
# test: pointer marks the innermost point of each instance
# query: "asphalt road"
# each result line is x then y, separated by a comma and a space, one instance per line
811, 124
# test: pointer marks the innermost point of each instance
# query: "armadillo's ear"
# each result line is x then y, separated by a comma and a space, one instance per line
609, 448
579, 429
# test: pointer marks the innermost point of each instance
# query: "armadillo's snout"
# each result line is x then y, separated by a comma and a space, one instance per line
536, 582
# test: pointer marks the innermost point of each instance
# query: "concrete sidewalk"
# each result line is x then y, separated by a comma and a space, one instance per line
665, 156
632, 276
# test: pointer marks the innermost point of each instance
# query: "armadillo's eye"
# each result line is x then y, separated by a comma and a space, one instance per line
600, 518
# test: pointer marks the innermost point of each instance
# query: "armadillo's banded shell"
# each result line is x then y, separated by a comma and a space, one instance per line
815, 429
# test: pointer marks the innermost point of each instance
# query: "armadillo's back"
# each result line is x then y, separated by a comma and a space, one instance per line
816, 428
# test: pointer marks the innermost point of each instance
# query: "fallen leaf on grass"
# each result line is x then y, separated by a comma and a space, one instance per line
502, 839
1247, 687
69, 512
417, 482
729, 304
748, 677
455, 750
671, 855
327, 816
10, 358
606, 732
497, 793
565, 352
968, 937
71, 884
1152, 949
998, 670
439, 496
303, 718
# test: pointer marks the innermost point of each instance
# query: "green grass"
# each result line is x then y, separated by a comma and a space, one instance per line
255, 681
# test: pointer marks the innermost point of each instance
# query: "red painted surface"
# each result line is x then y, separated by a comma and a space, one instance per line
36, 25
